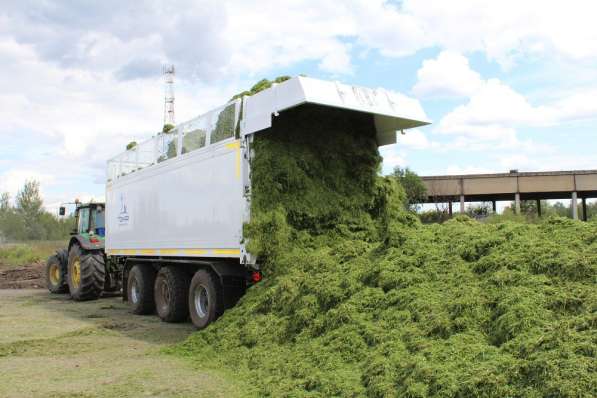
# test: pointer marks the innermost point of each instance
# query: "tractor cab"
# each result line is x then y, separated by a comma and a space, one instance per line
90, 228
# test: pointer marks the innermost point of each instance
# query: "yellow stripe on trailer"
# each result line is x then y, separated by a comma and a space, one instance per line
167, 252
194, 252
235, 252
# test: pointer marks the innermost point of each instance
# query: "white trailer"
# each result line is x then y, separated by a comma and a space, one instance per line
176, 204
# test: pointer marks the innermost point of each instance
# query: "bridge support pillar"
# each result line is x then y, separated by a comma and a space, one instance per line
462, 204
517, 202
494, 206
450, 208
539, 207
574, 205
585, 216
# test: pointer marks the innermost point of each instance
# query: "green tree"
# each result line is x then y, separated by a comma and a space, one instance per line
29, 207
416, 192
4, 202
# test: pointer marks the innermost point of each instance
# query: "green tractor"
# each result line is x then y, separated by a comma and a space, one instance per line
82, 269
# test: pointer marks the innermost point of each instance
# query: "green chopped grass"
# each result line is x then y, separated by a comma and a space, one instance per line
360, 299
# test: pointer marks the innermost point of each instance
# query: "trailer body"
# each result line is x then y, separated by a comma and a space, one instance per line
189, 206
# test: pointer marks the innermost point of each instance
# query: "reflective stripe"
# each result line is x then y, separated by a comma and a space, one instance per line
194, 252
227, 251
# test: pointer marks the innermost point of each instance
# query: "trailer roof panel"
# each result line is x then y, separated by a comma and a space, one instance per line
391, 111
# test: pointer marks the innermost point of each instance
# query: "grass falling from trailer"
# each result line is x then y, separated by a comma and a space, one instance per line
360, 299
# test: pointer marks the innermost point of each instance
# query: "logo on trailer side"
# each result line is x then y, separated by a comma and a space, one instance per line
123, 216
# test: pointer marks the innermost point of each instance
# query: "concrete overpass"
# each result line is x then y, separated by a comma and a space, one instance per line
514, 186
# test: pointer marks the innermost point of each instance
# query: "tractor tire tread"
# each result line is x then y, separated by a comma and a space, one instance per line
178, 279
145, 275
93, 275
211, 282
62, 286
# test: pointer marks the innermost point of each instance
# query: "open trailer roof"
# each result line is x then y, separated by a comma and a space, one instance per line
391, 112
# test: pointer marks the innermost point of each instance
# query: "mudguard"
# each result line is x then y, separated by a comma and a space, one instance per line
86, 243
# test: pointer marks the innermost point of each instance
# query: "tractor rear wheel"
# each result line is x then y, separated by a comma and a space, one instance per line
170, 291
206, 302
139, 289
86, 273
56, 271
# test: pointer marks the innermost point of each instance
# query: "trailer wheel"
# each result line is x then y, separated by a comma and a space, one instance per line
170, 291
139, 289
86, 273
56, 271
206, 301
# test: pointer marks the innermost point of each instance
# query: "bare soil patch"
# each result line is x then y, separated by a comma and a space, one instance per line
30, 276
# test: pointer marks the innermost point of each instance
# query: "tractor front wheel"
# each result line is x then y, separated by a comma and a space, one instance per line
86, 273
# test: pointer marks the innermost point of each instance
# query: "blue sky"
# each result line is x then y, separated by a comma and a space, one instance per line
508, 84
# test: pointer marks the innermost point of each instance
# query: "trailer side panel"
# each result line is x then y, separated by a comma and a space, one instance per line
187, 206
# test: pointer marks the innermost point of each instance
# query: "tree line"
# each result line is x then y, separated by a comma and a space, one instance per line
27, 219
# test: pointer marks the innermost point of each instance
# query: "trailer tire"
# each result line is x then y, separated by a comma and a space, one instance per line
86, 273
139, 289
170, 291
56, 271
206, 301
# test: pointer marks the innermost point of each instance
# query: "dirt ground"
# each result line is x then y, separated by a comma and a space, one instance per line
30, 276
51, 346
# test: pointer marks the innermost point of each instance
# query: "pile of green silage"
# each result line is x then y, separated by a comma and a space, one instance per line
360, 299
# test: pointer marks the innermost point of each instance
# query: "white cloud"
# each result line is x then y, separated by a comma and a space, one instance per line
495, 111
337, 62
208, 39
488, 109
13, 180
508, 29
448, 75
414, 138
393, 157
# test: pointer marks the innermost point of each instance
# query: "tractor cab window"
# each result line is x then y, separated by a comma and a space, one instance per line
84, 220
98, 221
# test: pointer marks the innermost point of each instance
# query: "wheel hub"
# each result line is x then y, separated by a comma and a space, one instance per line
201, 300
135, 292
54, 274
76, 273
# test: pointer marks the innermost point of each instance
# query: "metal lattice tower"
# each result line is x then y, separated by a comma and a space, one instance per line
168, 72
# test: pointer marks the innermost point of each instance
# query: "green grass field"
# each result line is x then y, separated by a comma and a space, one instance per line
23, 253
